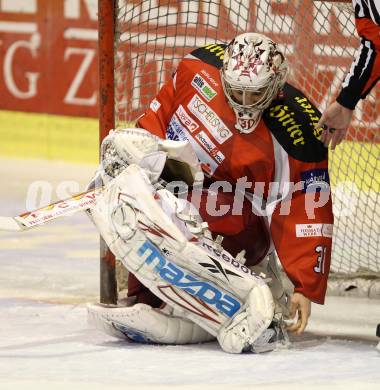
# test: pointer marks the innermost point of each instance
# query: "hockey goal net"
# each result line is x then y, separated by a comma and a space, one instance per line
319, 40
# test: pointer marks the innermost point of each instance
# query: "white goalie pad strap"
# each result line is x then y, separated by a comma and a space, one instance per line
280, 286
141, 323
190, 273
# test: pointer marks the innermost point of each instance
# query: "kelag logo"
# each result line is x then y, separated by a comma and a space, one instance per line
174, 275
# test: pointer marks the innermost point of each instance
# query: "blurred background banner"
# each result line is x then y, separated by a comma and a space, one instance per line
48, 56
49, 66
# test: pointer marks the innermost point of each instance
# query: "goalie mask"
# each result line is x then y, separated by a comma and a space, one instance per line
253, 73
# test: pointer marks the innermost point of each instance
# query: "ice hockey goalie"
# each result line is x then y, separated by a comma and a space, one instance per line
162, 239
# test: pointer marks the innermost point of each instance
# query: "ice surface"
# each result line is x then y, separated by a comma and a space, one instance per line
48, 274
46, 345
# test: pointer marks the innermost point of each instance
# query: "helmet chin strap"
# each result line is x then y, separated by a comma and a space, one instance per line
247, 121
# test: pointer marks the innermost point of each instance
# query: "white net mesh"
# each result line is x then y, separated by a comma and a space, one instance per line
319, 40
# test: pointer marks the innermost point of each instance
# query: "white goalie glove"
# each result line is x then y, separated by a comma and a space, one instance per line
124, 147
180, 263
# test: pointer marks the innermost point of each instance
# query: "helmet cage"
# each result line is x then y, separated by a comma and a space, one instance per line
266, 95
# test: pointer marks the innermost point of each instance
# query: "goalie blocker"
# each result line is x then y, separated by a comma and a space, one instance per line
150, 231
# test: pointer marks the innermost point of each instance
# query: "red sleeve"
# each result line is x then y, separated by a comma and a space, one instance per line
303, 243
157, 116
365, 68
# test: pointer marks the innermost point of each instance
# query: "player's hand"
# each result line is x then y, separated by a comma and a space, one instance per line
300, 309
334, 122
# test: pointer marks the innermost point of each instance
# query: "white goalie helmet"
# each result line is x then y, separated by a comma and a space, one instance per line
254, 71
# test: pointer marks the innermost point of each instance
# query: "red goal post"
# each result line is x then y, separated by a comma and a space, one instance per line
319, 38
106, 39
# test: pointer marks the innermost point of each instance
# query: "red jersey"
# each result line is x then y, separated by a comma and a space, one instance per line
283, 148
365, 69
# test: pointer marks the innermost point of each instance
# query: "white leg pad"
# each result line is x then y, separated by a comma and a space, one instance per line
191, 273
141, 323
247, 326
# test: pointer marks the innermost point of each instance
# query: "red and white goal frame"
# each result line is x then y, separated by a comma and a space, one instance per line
140, 43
